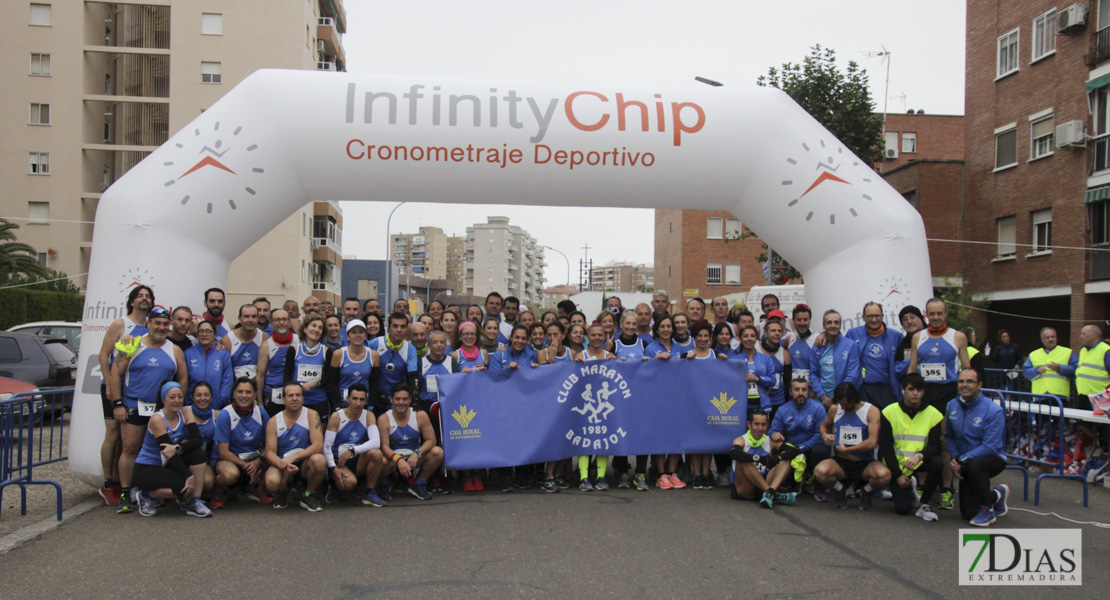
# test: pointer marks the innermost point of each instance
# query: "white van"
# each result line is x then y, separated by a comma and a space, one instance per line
789, 296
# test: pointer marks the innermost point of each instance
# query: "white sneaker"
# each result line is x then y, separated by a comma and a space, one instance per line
926, 513
146, 505
197, 508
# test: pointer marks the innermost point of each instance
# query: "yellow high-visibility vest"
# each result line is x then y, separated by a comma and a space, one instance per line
1091, 376
910, 435
1051, 382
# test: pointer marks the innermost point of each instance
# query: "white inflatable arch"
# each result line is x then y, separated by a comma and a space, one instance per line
283, 138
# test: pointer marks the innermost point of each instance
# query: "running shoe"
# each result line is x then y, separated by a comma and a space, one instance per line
946, 501
310, 502
549, 485
437, 486
419, 490
841, 499
865, 500
478, 485
196, 508
676, 483
884, 494
722, 480
561, 483
281, 499
260, 495
640, 481
786, 498
110, 494
821, 496
625, 481
507, 484
146, 505
601, 485
219, 499
468, 484
384, 490
768, 499
985, 518
926, 513
125, 504
1000, 507
522, 483
664, 482
371, 499
585, 486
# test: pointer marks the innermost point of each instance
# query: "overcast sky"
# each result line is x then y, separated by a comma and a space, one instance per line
633, 42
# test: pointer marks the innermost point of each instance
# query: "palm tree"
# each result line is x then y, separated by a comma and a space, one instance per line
16, 258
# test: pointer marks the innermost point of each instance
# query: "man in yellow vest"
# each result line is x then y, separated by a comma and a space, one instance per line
1051, 367
909, 443
1093, 373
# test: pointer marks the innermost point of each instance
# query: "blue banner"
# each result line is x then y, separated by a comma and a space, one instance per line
508, 418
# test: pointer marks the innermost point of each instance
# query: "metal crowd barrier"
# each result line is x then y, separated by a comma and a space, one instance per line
1006, 380
1037, 422
32, 434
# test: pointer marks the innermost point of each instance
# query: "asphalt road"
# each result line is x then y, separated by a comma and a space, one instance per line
667, 544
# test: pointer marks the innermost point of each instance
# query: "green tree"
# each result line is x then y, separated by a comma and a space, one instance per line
643, 287
17, 260
962, 304
839, 100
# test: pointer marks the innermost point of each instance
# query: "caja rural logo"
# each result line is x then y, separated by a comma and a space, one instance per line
1021, 557
463, 416
588, 390
723, 404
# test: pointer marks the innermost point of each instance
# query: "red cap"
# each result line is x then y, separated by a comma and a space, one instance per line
776, 314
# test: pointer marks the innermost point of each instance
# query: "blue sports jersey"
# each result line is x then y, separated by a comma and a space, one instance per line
129, 329
351, 432
148, 370
244, 435
852, 430
244, 355
211, 365
503, 358
938, 360
275, 369
291, 440
207, 427
405, 437
395, 364
308, 365
151, 451
430, 368
678, 349
633, 351
776, 392
352, 372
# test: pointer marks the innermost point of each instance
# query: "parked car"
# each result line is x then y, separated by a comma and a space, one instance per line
43, 361
10, 387
70, 330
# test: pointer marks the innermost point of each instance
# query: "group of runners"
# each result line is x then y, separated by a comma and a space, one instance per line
309, 405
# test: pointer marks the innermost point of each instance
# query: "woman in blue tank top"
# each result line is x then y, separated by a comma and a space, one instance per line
205, 419
306, 365
470, 356
555, 352
171, 462
683, 341
628, 345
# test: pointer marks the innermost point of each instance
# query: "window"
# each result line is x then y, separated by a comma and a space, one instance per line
9, 350
909, 142
302, 269
1005, 147
40, 114
39, 163
1008, 53
40, 64
732, 274
891, 140
211, 24
713, 273
38, 212
1007, 228
732, 228
1098, 215
42, 258
210, 72
1101, 122
714, 228
40, 15
1042, 231
1041, 137
1044, 35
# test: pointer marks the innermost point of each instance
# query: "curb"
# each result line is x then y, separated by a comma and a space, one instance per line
30, 532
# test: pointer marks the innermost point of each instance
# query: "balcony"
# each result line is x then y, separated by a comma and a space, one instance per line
325, 66
1100, 262
1102, 48
328, 33
325, 286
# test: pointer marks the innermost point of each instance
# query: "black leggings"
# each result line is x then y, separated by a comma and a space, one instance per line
903, 496
621, 464
152, 477
975, 483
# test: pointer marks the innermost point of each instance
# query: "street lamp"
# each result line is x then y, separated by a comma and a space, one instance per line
567, 288
389, 257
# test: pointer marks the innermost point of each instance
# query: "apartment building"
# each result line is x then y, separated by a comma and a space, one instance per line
503, 258
94, 87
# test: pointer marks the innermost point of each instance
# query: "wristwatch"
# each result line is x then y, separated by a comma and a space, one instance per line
177, 448
352, 451
418, 454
